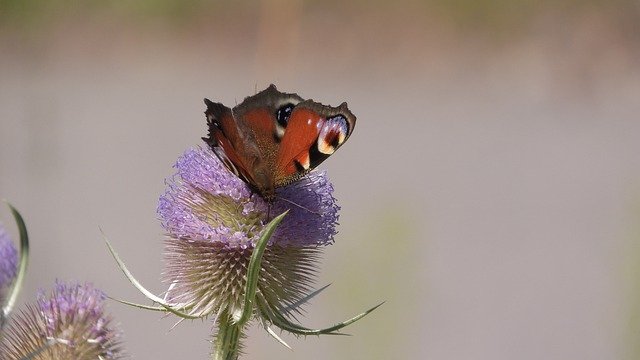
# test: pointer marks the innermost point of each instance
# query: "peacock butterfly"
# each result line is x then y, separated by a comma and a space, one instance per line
272, 139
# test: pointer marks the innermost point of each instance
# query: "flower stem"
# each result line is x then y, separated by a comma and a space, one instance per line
226, 345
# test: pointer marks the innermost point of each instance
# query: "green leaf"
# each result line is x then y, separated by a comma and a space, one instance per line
277, 337
22, 267
283, 323
140, 306
253, 270
143, 290
305, 299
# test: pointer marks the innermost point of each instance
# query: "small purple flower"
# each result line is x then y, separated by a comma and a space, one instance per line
8, 263
68, 323
213, 220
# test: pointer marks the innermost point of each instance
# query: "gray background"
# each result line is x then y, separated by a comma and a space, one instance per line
490, 192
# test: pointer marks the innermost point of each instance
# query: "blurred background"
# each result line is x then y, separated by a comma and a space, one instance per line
490, 193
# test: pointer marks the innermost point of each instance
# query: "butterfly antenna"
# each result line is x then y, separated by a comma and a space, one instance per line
298, 205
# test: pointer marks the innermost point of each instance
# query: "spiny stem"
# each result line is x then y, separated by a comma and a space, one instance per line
226, 345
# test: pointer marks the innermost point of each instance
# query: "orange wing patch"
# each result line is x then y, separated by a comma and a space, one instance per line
301, 134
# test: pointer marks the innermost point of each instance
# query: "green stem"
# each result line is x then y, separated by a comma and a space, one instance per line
226, 345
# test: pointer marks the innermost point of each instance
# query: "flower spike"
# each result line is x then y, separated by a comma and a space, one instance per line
69, 322
228, 258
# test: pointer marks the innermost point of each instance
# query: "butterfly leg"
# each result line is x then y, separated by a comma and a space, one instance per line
298, 205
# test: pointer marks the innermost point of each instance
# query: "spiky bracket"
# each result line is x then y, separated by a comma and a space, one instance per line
16, 286
14, 290
229, 331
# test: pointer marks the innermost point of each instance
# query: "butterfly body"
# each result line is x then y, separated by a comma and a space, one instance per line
272, 139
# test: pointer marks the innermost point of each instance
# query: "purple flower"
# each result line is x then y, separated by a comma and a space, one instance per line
204, 201
68, 323
213, 220
8, 263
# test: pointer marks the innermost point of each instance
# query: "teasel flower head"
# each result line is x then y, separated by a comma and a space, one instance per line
213, 221
231, 255
8, 263
69, 322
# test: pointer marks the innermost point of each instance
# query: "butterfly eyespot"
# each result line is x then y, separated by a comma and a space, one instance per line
283, 113
332, 134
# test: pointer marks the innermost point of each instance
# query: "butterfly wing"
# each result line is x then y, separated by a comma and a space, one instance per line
314, 132
272, 138
247, 138
227, 142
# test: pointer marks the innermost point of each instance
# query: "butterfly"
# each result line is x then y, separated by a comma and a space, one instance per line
272, 138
